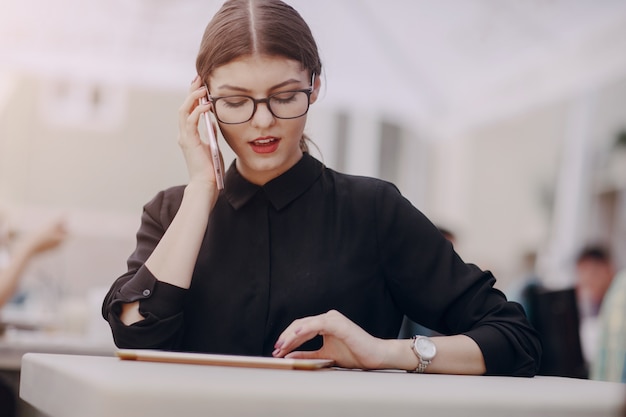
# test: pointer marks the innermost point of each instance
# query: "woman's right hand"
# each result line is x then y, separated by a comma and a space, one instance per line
196, 152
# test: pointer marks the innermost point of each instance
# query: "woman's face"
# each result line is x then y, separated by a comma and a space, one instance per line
265, 146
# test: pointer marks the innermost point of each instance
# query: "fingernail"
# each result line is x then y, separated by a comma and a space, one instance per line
279, 344
275, 352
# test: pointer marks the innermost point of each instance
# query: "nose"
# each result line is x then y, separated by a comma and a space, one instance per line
262, 116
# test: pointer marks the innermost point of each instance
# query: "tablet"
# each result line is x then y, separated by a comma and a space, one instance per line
221, 360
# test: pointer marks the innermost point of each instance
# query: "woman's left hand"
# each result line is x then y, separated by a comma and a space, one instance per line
344, 342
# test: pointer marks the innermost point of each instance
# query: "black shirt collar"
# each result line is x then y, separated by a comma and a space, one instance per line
280, 191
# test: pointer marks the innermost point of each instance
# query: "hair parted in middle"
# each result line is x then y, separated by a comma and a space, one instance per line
264, 27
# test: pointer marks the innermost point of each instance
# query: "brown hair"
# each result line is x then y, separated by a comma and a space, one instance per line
266, 27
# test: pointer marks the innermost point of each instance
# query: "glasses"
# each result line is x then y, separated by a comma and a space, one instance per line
238, 109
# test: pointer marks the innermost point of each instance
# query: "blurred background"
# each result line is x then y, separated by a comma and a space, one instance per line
502, 120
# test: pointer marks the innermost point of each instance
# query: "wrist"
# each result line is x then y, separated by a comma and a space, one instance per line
201, 192
199, 186
400, 355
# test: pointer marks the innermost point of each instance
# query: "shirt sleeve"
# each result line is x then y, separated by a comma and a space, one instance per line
436, 288
161, 304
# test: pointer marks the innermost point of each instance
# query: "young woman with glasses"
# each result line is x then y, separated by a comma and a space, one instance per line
292, 258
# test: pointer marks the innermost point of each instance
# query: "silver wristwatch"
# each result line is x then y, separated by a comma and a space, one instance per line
425, 350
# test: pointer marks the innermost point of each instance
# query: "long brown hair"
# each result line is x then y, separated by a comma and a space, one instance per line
265, 27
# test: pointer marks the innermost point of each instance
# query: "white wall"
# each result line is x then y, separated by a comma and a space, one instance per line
496, 184
508, 184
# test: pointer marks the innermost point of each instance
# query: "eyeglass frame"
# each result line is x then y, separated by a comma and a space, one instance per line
266, 100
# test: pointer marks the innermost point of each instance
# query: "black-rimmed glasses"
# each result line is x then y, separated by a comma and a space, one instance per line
238, 109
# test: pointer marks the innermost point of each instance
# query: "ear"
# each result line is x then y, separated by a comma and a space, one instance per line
317, 84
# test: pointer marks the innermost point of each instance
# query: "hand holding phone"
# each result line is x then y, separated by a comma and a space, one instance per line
214, 149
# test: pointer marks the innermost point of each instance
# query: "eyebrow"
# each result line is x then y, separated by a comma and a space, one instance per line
274, 87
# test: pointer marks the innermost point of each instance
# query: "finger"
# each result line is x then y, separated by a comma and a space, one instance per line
189, 135
187, 114
297, 333
194, 89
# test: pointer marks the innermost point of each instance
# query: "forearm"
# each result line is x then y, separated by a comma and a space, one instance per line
174, 258
457, 354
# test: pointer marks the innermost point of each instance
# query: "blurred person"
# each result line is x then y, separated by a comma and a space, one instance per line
291, 258
610, 361
42, 240
594, 273
11, 271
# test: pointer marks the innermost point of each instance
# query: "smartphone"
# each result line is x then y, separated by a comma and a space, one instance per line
214, 149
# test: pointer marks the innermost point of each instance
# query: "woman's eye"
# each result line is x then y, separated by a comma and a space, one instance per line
235, 102
284, 98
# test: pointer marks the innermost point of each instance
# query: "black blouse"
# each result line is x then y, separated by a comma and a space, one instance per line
307, 242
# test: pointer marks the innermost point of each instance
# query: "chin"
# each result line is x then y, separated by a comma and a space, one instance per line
270, 166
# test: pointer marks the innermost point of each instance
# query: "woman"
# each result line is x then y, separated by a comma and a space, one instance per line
292, 258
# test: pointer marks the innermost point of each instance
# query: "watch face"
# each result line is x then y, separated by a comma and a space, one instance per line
426, 348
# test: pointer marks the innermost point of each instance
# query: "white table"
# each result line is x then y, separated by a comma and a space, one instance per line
14, 344
79, 386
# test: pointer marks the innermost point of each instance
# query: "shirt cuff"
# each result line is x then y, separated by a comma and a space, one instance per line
155, 297
499, 354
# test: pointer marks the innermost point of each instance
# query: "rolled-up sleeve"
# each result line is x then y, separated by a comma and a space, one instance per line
437, 289
161, 304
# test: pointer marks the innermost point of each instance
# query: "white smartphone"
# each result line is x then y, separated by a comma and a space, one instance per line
218, 168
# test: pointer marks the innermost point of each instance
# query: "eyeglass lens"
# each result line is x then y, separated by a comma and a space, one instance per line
240, 109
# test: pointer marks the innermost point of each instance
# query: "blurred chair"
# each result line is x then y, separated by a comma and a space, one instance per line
554, 314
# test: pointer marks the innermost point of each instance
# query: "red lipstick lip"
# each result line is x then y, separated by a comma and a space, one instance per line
265, 145
264, 138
